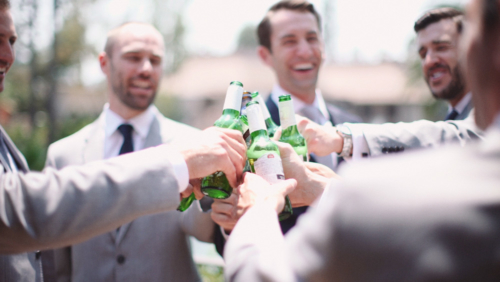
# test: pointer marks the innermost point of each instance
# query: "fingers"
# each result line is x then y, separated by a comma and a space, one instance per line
302, 122
196, 184
285, 187
277, 134
187, 192
286, 150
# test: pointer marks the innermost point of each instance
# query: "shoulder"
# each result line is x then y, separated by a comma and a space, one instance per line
341, 116
169, 127
68, 145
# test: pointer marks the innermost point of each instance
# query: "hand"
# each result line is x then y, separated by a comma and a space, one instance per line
226, 212
310, 185
256, 190
321, 140
322, 170
215, 149
194, 186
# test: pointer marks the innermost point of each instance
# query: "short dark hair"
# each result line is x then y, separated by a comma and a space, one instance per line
264, 28
436, 15
4, 4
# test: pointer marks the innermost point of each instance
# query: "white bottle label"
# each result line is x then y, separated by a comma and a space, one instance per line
255, 120
263, 107
270, 168
234, 95
287, 114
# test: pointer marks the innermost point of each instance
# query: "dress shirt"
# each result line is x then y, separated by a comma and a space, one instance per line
113, 139
298, 105
460, 107
360, 146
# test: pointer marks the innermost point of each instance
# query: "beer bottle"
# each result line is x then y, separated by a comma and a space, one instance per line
216, 185
263, 154
290, 134
270, 125
186, 202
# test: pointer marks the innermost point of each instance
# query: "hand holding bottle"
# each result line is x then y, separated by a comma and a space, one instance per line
321, 140
310, 185
215, 149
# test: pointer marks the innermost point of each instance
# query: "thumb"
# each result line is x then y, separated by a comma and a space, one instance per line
285, 187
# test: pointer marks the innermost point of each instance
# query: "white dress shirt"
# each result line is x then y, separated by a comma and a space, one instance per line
113, 139
460, 107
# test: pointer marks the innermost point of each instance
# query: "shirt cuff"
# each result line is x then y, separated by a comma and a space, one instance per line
359, 145
180, 169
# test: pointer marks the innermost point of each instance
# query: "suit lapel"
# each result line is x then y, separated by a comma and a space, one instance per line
18, 158
94, 143
154, 138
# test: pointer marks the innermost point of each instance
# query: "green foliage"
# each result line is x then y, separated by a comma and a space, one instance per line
210, 273
247, 39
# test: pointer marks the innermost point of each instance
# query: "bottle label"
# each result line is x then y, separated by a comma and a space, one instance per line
270, 168
234, 95
263, 107
287, 114
255, 120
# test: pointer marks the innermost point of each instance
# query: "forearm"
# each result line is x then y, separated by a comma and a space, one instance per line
58, 208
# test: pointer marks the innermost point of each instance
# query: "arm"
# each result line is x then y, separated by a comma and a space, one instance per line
58, 208
376, 139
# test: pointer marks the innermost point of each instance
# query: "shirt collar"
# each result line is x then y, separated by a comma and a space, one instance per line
460, 107
319, 102
141, 123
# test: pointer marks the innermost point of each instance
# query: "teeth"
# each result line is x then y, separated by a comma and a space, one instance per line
141, 84
305, 66
437, 75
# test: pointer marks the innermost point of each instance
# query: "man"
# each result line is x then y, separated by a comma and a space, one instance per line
53, 209
422, 216
438, 33
290, 42
151, 247
292, 45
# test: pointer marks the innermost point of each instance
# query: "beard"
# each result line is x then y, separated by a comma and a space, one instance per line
126, 97
454, 89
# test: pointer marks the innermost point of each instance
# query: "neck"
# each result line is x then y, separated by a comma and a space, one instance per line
454, 102
305, 95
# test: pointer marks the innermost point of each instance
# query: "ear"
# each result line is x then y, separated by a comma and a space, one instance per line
104, 62
265, 55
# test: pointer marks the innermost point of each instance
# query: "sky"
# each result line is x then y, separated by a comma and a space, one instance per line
365, 31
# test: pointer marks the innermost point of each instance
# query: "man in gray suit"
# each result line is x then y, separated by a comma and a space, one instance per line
423, 216
153, 247
53, 209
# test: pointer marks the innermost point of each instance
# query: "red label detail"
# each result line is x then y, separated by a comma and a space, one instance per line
270, 156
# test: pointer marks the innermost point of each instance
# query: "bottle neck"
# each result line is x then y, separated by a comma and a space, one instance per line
231, 112
263, 108
261, 133
234, 95
287, 114
255, 120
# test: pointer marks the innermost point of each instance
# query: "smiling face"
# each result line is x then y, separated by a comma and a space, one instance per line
133, 68
8, 37
438, 50
296, 51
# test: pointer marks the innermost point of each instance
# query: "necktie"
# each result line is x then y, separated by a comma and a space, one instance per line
4, 151
452, 115
128, 144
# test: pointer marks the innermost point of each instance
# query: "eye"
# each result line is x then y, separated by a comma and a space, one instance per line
312, 39
12, 41
442, 48
422, 54
289, 42
155, 61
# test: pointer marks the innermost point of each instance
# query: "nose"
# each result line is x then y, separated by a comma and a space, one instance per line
146, 67
7, 54
430, 58
304, 49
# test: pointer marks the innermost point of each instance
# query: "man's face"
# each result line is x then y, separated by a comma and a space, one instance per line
438, 50
134, 69
296, 49
8, 37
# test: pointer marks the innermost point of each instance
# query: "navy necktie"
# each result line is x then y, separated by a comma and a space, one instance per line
4, 151
452, 115
128, 144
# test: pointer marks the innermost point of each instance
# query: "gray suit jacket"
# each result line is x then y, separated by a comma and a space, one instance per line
432, 215
53, 209
151, 248
395, 137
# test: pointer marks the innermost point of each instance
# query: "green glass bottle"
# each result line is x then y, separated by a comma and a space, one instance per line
263, 154
216, 185
270, 125
186, 203
290, 134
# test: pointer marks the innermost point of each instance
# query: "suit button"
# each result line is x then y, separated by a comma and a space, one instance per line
120, 259
384, 150
38, 254
391, 150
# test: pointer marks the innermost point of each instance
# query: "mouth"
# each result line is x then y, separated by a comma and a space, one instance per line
3, 70
304, 67
142, 84
436, 74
